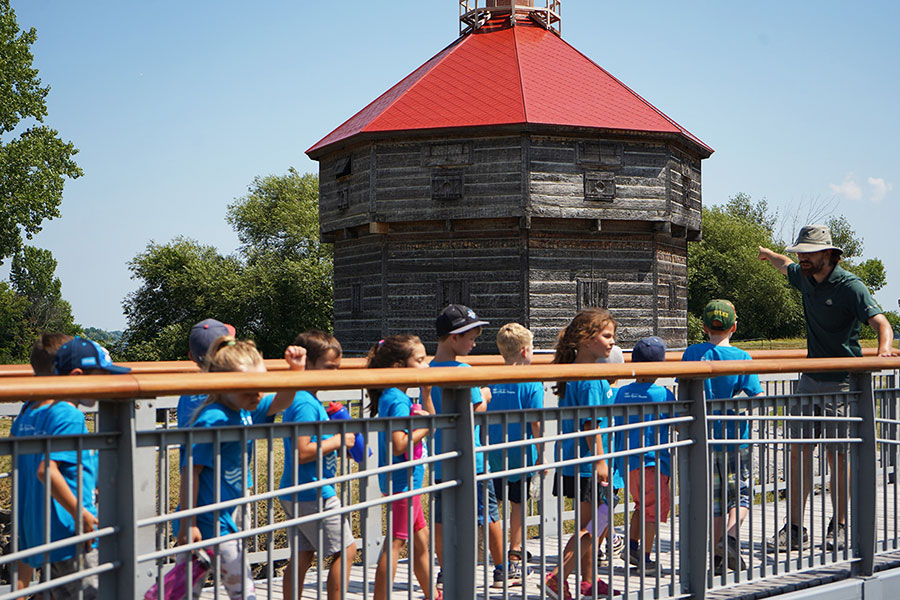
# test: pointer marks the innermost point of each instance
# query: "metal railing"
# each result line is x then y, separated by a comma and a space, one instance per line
138, 476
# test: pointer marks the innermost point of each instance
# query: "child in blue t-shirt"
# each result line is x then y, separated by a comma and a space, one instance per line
587, 338
401, 351
221, 410
69, 356
648, 472
516, 345
730, 464
457, 328
323, 352
202, 335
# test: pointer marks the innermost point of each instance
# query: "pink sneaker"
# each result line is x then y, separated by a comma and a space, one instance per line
553, 589
602, 589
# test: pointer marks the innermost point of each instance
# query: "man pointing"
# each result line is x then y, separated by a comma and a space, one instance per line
835, 304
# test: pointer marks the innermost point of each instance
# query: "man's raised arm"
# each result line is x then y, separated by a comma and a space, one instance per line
779, 261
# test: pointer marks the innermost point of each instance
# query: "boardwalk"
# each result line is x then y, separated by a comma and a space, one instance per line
814, 566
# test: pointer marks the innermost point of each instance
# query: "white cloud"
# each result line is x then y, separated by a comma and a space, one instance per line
880, 188
848, 189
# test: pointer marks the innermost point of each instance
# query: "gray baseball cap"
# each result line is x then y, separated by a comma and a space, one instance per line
813, 238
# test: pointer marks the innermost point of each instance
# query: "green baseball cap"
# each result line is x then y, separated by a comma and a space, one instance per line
719, 315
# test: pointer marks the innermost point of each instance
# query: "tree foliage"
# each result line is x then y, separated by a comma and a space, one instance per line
35, 164
724, 265
31, 303
277, 284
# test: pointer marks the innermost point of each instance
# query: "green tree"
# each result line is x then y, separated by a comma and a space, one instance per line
277, 284
31, 303
871, 271
183, 282
35, 163
724, 265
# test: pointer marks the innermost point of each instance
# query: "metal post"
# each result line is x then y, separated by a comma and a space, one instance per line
693, 492
371, 517
126, 492
863, 481
459, 513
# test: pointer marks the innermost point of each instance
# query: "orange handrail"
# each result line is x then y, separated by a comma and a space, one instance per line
277, 364
150, 385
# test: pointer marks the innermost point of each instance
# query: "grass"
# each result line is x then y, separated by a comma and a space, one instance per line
787, 344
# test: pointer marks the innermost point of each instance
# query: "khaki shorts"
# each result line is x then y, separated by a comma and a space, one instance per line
832, 403
307, 538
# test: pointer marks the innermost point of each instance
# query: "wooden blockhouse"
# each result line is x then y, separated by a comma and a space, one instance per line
512, 174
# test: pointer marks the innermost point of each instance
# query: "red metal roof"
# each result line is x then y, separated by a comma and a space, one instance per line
502, 75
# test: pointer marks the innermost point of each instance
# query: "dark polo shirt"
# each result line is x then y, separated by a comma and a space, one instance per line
834, 311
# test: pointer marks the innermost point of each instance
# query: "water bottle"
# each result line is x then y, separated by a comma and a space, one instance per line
337, 411
417, 448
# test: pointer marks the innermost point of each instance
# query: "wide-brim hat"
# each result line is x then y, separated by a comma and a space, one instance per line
813, 238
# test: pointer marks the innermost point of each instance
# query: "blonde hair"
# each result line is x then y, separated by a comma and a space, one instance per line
511, 338
584, 326
227, 354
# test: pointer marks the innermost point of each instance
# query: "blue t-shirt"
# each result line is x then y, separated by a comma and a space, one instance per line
635, 393
56, 418
394, 403
187, 406
724, 387
436, 400
513, 396
306, 408
217, 414
589, 392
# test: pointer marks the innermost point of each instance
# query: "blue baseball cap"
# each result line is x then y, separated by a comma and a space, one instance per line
203, 334
649, 349
80, 353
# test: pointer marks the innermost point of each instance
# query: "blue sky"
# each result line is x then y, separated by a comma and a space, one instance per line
176, 105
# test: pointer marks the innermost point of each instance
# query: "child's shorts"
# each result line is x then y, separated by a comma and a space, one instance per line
646, 501
400, 518
568, 485
493, 508
730, 479
68, 566
516, 490
307, 538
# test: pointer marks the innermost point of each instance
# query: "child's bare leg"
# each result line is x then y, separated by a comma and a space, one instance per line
515, 526
304, 560
736, 516
495, 542
381, 578
334, 573
588, 566
421, 562
25, 573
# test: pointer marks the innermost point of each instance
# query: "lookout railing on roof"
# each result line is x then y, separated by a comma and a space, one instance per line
135, 479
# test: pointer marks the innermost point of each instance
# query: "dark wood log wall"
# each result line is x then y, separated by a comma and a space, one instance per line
521, 228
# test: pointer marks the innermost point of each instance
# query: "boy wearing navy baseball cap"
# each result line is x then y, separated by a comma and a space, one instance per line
77, 356
646, 471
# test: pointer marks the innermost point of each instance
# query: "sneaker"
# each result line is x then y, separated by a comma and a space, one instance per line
439, 582
836, 541
618, 546
795, 538
553, 589
637, 558
602, 589
515, 574
735, 560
